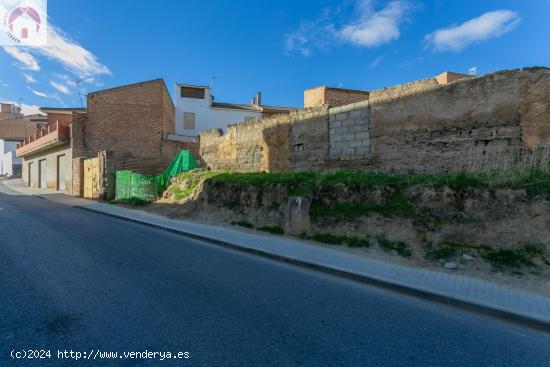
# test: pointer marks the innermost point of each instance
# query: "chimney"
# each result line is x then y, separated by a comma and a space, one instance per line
259, 99
253, 101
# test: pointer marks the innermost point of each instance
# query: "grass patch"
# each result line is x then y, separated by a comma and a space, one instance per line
300, 191
242, 223
398, 205
332, 239
517, 258
193, 180
535, 181
399, 247
271, 229
443, 250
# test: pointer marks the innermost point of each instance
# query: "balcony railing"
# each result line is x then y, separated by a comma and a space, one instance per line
50, 136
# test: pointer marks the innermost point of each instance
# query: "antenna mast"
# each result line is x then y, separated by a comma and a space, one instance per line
77, 84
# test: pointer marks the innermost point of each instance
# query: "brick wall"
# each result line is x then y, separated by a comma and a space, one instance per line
449, 77
130, 122
332, 97
63, 118
473, 123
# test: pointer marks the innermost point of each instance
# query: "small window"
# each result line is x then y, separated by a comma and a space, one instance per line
190, 92
189, 121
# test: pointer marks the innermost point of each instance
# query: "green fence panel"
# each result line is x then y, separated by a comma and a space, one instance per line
134, 186
183, 161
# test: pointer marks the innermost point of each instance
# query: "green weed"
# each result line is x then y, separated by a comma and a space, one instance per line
271, 229
242, 223
399, 247
340, 240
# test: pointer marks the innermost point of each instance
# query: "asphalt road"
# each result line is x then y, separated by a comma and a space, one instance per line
81, 281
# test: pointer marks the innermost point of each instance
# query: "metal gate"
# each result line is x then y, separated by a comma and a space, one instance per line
91, 178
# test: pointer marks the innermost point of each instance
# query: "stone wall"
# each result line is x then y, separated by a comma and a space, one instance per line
295, 141
472, 123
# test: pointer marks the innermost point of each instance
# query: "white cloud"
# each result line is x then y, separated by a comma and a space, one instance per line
70, 54
489, 25
374, 63
376, 28
60, 87
3, 84
30, 109
368, 26
318, 34
39, 94
29, 78
21, 55
62, 49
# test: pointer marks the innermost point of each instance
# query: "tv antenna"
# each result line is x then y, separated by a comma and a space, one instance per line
213, 79
77, 84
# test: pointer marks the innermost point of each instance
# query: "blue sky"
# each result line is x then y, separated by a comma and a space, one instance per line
279, 47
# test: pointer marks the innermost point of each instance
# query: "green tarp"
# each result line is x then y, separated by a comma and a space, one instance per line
132, 186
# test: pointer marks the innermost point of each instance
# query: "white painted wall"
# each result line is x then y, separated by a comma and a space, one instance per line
7, 157
6, 164
206, 117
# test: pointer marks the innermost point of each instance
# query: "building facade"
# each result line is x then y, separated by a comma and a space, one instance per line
196, 110
47, 155
129, 125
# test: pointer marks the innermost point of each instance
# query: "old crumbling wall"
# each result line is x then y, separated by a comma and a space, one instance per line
438, 129
281, 143
473, 124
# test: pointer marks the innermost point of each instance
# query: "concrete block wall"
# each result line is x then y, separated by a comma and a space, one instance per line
349, 134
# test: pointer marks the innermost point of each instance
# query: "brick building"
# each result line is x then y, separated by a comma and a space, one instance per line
128, 126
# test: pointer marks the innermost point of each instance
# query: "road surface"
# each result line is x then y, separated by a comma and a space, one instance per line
73, 280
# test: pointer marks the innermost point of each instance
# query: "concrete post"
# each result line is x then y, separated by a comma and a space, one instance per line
298, 220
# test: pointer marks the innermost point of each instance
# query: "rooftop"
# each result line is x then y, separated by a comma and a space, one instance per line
62, 109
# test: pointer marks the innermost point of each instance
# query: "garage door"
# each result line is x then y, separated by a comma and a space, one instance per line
42, 172
61, 172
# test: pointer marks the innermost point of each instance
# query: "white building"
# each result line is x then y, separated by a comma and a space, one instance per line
196, 110
9, 163
9, 108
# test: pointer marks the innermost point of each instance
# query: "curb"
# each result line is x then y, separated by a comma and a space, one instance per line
531, 321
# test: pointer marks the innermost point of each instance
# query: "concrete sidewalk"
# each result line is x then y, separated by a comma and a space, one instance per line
453, 289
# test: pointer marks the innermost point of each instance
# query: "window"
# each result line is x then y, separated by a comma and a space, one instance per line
298, 147
191, 92
189, 121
